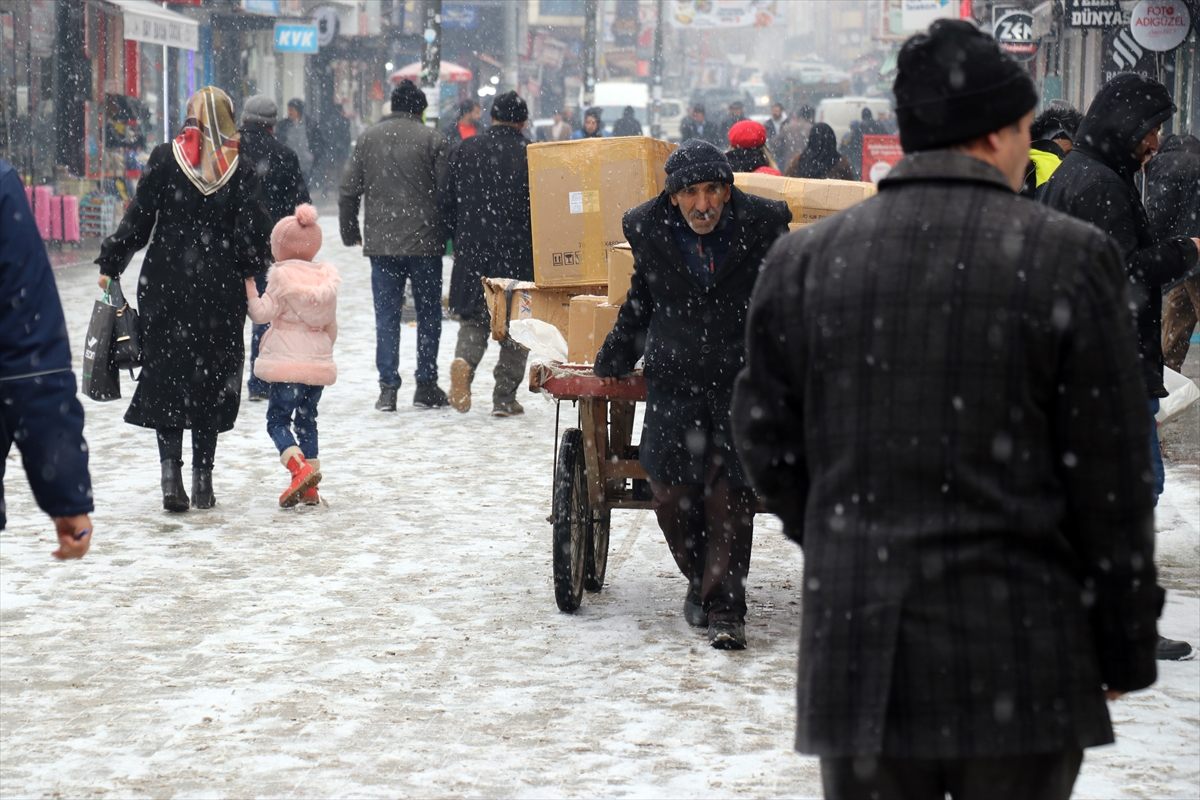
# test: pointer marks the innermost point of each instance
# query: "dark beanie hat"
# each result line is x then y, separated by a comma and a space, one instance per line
696, 161
509, 107
408, 97
953, 84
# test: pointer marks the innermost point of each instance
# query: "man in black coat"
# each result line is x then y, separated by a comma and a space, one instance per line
39, 409
302, 135
1096, 184
943, 404
697, 248
484, 199
1173, 205
282, 188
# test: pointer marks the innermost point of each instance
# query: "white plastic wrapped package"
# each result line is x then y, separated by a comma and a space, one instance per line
541, 339
1181, 394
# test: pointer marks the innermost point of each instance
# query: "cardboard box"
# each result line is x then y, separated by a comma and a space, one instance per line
528, 301
810, 200
620, 272
591, 321
578, 192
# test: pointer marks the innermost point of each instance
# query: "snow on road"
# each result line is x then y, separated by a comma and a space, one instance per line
403, 639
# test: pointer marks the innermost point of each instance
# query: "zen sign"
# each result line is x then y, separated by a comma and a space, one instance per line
290, 38
1014, 32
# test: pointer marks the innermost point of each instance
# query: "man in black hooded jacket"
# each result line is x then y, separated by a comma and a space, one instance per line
1095, 184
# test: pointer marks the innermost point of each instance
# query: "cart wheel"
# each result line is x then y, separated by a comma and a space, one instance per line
571, 521
596, 561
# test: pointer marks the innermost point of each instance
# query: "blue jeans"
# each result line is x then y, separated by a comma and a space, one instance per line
388, 274
1160, 471
257, 385
298, 400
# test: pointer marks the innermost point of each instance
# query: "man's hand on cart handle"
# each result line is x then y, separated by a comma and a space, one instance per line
610, 381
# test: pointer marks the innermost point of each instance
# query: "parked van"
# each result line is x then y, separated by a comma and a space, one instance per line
839, 112
613, 96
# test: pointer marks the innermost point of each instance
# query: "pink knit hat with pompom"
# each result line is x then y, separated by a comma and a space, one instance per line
297, 237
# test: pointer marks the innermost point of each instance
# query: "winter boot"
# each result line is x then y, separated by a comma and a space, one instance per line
430, 395
311, 497
693, 609
202, 490
510, 409
460, 385
387, 398
174, 496
727, 634
304, 477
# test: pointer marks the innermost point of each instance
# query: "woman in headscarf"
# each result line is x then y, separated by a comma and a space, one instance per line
821, 159
748, 149
210, 233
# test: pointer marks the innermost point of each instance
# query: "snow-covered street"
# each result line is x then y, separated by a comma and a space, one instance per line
403, 640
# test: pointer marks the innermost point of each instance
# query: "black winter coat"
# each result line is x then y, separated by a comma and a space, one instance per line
692, 336
191, 294
943, 403
1173, 189
39, 409
1095, 184
280, 181
484, 199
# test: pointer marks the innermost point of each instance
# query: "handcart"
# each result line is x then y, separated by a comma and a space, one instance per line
596, 470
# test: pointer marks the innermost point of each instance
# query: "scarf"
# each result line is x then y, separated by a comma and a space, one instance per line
207, 150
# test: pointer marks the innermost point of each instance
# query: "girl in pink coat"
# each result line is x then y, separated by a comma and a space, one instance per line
296, 353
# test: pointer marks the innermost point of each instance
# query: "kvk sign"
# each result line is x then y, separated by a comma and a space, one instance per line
291, 38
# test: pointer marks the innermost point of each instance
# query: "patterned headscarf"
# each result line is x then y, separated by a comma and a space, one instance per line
207, 150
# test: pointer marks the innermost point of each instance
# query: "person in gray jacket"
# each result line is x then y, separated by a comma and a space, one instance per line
396, 166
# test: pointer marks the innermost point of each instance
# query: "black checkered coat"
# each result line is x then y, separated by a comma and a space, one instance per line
944, 403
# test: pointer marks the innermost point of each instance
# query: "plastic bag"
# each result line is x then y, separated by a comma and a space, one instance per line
540, 338
1181, 394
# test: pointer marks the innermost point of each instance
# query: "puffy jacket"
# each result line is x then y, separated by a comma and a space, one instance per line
301, 304
1095, 184
38, 407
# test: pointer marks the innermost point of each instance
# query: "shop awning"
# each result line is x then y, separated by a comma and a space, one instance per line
153, 24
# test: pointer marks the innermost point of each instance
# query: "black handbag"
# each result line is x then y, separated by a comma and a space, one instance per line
101, 379
127, 333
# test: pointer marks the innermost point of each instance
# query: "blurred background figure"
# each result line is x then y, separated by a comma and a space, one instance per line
1052, 134
561, 130
593, 125
1173, 203
821, 159
302, 134
747, 149
627, 125
469, 123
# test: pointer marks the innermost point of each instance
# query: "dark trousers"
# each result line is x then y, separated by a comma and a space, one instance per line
204, 446
709, 530
474, 333
294, 405
1043, 776
257, 385
388, 276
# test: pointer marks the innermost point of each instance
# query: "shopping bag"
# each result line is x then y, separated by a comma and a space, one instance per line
1181, 393
127, 334
101, 379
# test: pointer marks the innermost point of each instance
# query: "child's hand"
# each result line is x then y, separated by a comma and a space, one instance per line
251, 288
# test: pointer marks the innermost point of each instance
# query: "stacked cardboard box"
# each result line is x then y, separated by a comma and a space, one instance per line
592, 318
810, 200
508, 300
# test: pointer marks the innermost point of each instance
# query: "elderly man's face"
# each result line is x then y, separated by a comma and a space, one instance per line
701, 204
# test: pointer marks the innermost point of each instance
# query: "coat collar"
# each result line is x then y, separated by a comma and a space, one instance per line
739, 245
944, 165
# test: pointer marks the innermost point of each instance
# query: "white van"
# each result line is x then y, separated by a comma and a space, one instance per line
613, 96
839, 112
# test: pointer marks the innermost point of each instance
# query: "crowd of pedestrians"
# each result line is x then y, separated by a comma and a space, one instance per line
947, 392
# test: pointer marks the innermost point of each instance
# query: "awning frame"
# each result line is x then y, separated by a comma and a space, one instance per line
153, 24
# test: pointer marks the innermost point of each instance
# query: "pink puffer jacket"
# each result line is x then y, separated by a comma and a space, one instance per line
301, 304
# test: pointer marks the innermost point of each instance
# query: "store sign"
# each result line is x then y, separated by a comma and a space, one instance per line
462, 17
1093, 14
160, 29
328, 23
1122, 53
917, 15
292, 38
1014, 32
880, 154
709, 14
1160, 25
268, 7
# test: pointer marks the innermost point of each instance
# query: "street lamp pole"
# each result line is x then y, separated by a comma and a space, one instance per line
431, 58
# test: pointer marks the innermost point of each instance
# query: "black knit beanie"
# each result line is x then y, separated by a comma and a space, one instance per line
696, 161
407, 97
955, 83
509, 107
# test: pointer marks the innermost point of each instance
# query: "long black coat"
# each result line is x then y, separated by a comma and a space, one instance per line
692, 336
1095, 184
192, 295
484, 199
943, 403
281, 183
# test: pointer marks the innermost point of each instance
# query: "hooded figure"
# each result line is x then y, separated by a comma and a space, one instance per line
627, 125
211, 231
1173, 203
1095, 184
821, 159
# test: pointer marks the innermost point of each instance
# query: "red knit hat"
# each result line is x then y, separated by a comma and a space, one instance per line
297, 237
747, 134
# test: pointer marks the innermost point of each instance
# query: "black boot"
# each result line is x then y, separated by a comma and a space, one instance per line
430, 395
202, 491
174, 497
387, 398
